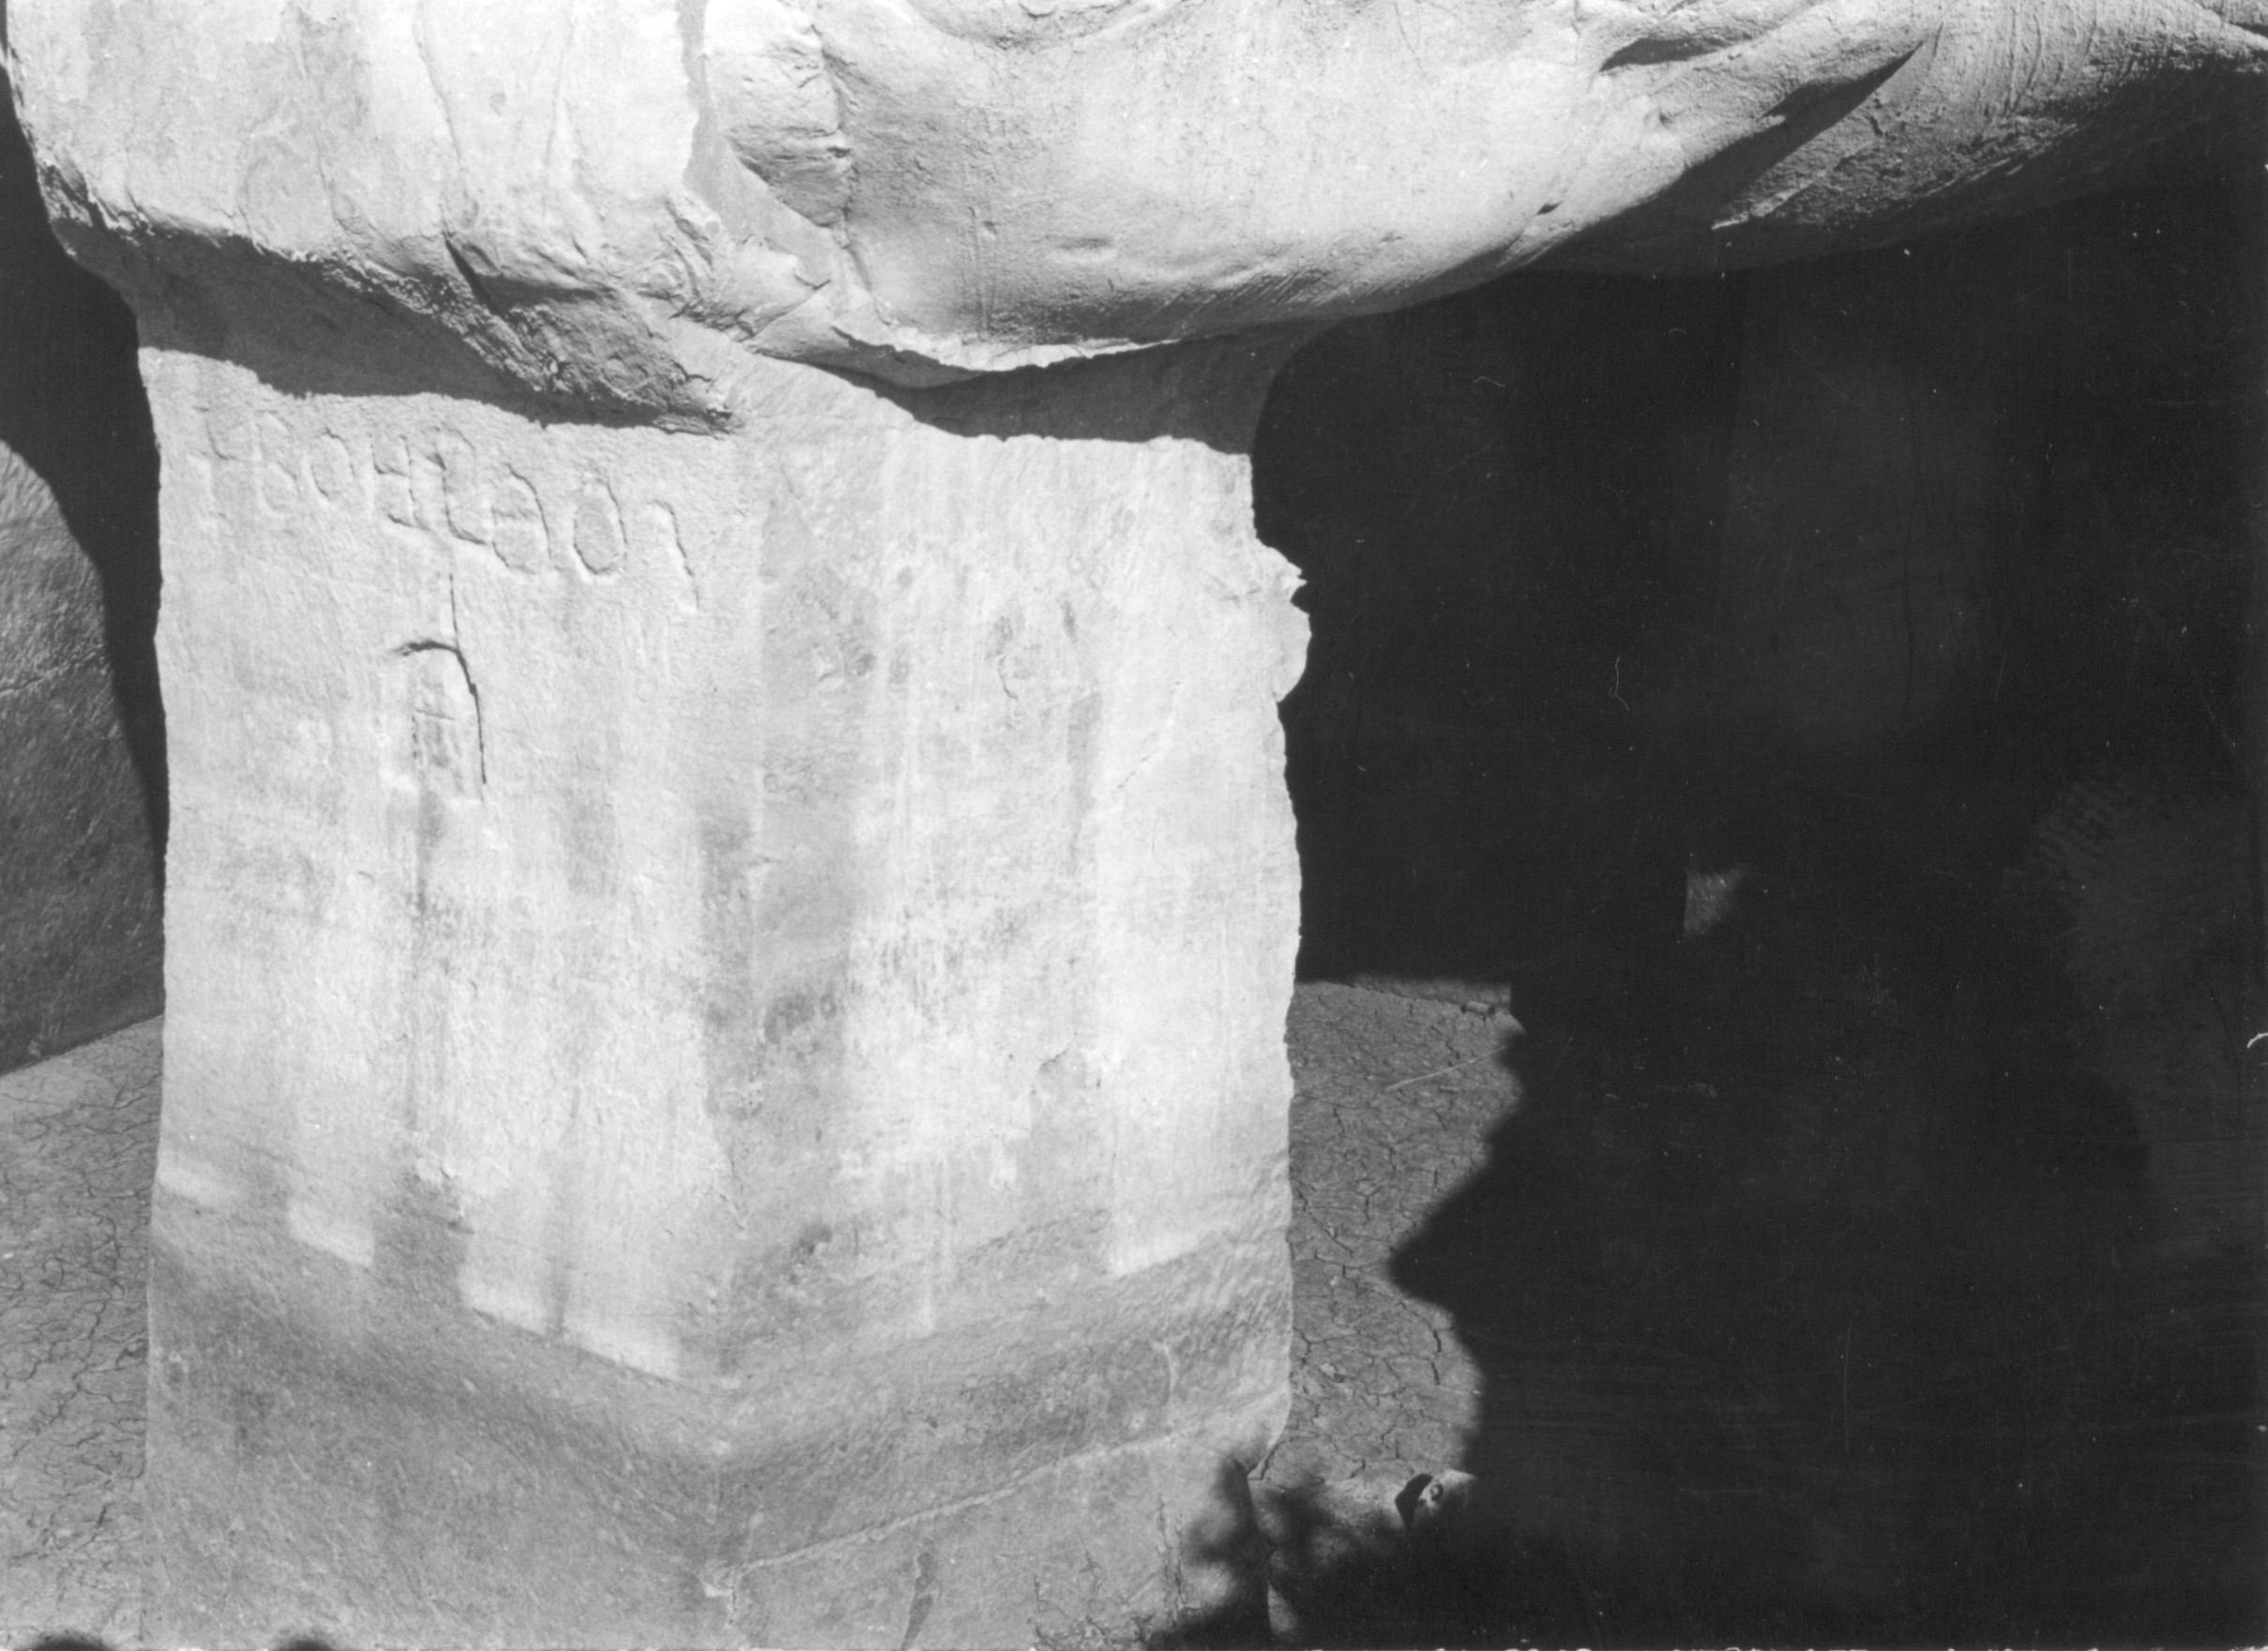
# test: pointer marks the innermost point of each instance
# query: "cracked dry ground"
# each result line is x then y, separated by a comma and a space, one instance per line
1396, 1096
1399, 1087
77, 1147
1855, 1312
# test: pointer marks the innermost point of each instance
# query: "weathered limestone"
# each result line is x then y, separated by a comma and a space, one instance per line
724, 1070
730, 924
617, 203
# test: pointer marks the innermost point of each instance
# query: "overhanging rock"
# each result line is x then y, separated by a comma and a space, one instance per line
620, 204
729, 922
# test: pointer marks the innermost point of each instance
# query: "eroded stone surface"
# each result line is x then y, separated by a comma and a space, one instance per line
622, 203
728, 927
724, 1057
81, 754
78, 889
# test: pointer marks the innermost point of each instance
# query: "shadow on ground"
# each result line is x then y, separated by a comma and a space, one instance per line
1816, 702
1836, 1307
1821, 1291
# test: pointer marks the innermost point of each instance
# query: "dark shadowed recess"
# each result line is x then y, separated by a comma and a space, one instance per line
1875, 1254
71, 404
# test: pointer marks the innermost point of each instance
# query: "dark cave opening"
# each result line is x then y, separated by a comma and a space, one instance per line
1822, 700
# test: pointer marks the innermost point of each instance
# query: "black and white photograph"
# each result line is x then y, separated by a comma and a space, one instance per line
1133, 824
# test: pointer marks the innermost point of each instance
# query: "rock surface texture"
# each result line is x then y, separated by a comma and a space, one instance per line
78, 914
725, 1080
731, 922
619, 205
81, 747
78, 1138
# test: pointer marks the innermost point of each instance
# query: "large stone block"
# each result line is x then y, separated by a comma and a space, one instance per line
724, 1071
618, 201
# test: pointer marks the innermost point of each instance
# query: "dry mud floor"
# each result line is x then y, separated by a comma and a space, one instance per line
1841, 1278
78, 1150
1397, 1097
1848, 1318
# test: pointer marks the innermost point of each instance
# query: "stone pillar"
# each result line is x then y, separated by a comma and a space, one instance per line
724, 1077
728, 930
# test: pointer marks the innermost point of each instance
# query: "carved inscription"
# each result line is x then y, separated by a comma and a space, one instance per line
521, 543
599, 545
277, 485
465, 500
333, 473
445, 752
393, 487
661, 526
435, 487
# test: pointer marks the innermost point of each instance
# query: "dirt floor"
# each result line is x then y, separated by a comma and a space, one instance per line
1766, 1296
78, 1150
1397, 1095
1880, 1263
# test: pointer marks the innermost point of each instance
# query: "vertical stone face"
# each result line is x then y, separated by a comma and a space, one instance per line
724, 1072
